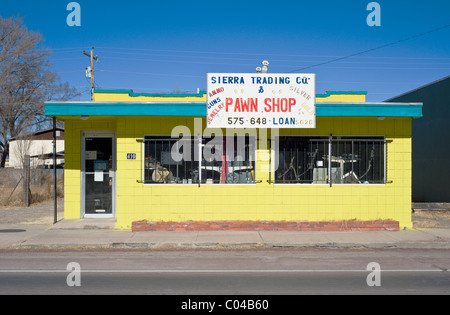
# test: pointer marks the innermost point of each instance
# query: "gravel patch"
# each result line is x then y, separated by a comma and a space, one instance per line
41, 213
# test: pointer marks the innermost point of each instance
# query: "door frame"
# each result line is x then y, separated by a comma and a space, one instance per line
97, 134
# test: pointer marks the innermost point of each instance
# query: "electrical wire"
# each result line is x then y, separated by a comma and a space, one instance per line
157, 74
277, 65
337, 59
254, 54
276, 60
373, 49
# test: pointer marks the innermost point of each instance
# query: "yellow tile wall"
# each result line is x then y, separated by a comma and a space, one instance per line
201, 97
262, 201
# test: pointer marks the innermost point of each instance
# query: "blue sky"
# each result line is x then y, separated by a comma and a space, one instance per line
165, 46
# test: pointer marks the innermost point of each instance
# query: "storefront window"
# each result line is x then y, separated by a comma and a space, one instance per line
162, 167
228, 160
223, 160
354, 160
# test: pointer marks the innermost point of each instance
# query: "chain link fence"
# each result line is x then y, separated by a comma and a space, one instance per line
41, 186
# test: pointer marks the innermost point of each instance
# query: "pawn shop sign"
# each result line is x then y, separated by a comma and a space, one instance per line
261, 100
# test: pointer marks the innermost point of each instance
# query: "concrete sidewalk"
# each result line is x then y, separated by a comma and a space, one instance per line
100, 234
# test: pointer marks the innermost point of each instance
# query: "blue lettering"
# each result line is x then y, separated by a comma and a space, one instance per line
283, 121
303, 80
214, 102
270, 80
228, 80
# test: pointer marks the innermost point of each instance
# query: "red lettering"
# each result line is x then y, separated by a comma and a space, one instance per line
251, 105
228, 102
242, 105
268, 108
216, 91
279, 104
237, 105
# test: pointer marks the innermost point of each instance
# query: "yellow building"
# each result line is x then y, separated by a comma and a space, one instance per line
352, 171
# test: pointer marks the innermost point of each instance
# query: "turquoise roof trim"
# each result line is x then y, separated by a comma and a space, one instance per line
369, 110
132, 94
202, 92
198, 109
329, 93
125, 109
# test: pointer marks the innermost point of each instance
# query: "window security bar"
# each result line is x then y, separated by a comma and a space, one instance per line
170, 160
353, 160
301, 159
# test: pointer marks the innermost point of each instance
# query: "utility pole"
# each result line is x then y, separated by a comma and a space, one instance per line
90, 70
55, 181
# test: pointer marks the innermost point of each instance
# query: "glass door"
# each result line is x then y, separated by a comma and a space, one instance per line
98, 175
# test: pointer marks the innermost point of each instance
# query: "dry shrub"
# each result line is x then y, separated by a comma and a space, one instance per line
431, 219
40, 190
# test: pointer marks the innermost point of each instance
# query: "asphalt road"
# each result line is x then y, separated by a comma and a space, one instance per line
225, 272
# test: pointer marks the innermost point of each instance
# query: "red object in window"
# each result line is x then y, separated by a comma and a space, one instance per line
223, 176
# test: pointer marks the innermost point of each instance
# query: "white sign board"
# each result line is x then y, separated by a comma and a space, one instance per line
261, 100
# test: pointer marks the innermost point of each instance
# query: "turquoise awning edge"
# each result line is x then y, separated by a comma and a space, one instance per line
199, 109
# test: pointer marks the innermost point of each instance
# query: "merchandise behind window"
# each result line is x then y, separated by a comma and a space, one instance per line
353, 160
216, 160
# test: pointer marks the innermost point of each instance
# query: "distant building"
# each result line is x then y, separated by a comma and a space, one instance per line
39, 146
430, 142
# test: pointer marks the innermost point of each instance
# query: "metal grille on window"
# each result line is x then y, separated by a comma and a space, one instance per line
223, 160
169, 161
228, 160
353, 160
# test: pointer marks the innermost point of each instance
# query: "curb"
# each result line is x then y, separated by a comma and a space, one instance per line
235, 246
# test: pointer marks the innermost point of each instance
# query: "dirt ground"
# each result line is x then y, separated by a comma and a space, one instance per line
39, 213
431, 219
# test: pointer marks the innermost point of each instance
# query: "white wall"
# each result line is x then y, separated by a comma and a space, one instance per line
19, 148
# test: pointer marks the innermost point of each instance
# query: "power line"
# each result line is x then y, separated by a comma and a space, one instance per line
68, 48
277, 65
73, 58
158, 74
380, 68
277, 60
183, 61
203, 76
199, 52
373, 49
71, 71
249, 54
